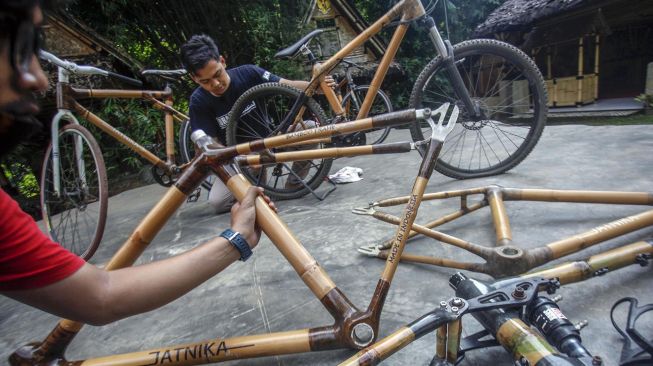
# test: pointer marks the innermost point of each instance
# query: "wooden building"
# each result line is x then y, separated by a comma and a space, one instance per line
586, 49
342, 23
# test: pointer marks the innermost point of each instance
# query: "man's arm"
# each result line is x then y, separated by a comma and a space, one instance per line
95, 296
302, 85
299, 84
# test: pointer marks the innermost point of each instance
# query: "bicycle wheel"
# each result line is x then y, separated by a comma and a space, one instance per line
75, 217
509, 89
187, 151
256, 114
381, 104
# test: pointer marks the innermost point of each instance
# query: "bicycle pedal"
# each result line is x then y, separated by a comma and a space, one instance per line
195, 196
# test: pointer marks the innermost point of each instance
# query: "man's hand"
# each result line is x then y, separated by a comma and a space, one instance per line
331, 82
243, 215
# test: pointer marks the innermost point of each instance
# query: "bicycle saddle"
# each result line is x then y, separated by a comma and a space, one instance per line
291, 51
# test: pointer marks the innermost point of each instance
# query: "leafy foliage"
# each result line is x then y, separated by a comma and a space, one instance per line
646, 99
136, 120
18, 171
153, 31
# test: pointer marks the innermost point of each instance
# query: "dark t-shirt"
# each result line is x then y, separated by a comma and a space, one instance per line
209, 113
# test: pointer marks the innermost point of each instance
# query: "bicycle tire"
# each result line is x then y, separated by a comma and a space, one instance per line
77, 218
272, 102
511, 131
187, 151
380, 105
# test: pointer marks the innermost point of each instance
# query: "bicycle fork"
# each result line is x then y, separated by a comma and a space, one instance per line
64, 114
445, 49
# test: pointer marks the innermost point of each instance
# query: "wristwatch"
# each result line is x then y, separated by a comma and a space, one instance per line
239, 242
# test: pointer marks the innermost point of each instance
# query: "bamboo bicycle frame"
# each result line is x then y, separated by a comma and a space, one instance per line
507, 258
67, 100
349, 322
518, 338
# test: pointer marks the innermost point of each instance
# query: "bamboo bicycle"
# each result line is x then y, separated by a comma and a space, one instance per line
73, 178
352, 327
497, 87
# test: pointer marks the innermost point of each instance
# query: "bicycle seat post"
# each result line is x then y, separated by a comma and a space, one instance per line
309, 54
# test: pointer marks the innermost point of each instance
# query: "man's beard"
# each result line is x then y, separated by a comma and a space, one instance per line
19, 117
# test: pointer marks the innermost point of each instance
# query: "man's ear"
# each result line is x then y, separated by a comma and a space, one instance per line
223, 61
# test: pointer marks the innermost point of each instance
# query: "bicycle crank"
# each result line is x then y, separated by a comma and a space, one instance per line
163, 176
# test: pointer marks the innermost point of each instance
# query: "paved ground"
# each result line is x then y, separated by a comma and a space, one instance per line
264, 294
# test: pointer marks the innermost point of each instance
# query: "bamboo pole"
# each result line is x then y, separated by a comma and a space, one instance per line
579, 98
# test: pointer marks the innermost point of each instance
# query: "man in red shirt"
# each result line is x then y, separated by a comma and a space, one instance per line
37, 271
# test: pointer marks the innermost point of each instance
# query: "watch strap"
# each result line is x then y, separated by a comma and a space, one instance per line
239, 242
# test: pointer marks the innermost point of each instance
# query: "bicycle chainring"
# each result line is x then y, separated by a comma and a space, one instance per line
163, 177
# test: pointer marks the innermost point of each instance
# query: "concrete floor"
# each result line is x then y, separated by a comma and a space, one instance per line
264, 294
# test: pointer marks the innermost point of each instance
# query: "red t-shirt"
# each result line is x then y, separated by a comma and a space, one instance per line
28, 258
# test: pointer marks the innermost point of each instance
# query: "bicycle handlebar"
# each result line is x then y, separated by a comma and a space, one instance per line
125, 79
86, 70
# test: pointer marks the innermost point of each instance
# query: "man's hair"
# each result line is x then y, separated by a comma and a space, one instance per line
197, 52
12, 13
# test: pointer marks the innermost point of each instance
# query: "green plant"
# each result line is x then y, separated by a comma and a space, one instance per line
141, 123
647, 99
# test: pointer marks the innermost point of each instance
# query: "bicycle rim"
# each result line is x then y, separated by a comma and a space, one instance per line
75, 218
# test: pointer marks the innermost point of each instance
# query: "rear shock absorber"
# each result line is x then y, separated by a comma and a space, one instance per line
558, 330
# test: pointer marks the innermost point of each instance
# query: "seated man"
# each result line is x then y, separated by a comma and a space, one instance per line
39, 272
218, 90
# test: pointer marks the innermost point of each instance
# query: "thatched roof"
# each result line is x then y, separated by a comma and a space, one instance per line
73, 38
519, 14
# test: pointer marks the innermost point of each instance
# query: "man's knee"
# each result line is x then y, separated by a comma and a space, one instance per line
222, 204
220, 198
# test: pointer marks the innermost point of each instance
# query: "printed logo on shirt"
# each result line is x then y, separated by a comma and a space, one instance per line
222, 121
266, 75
